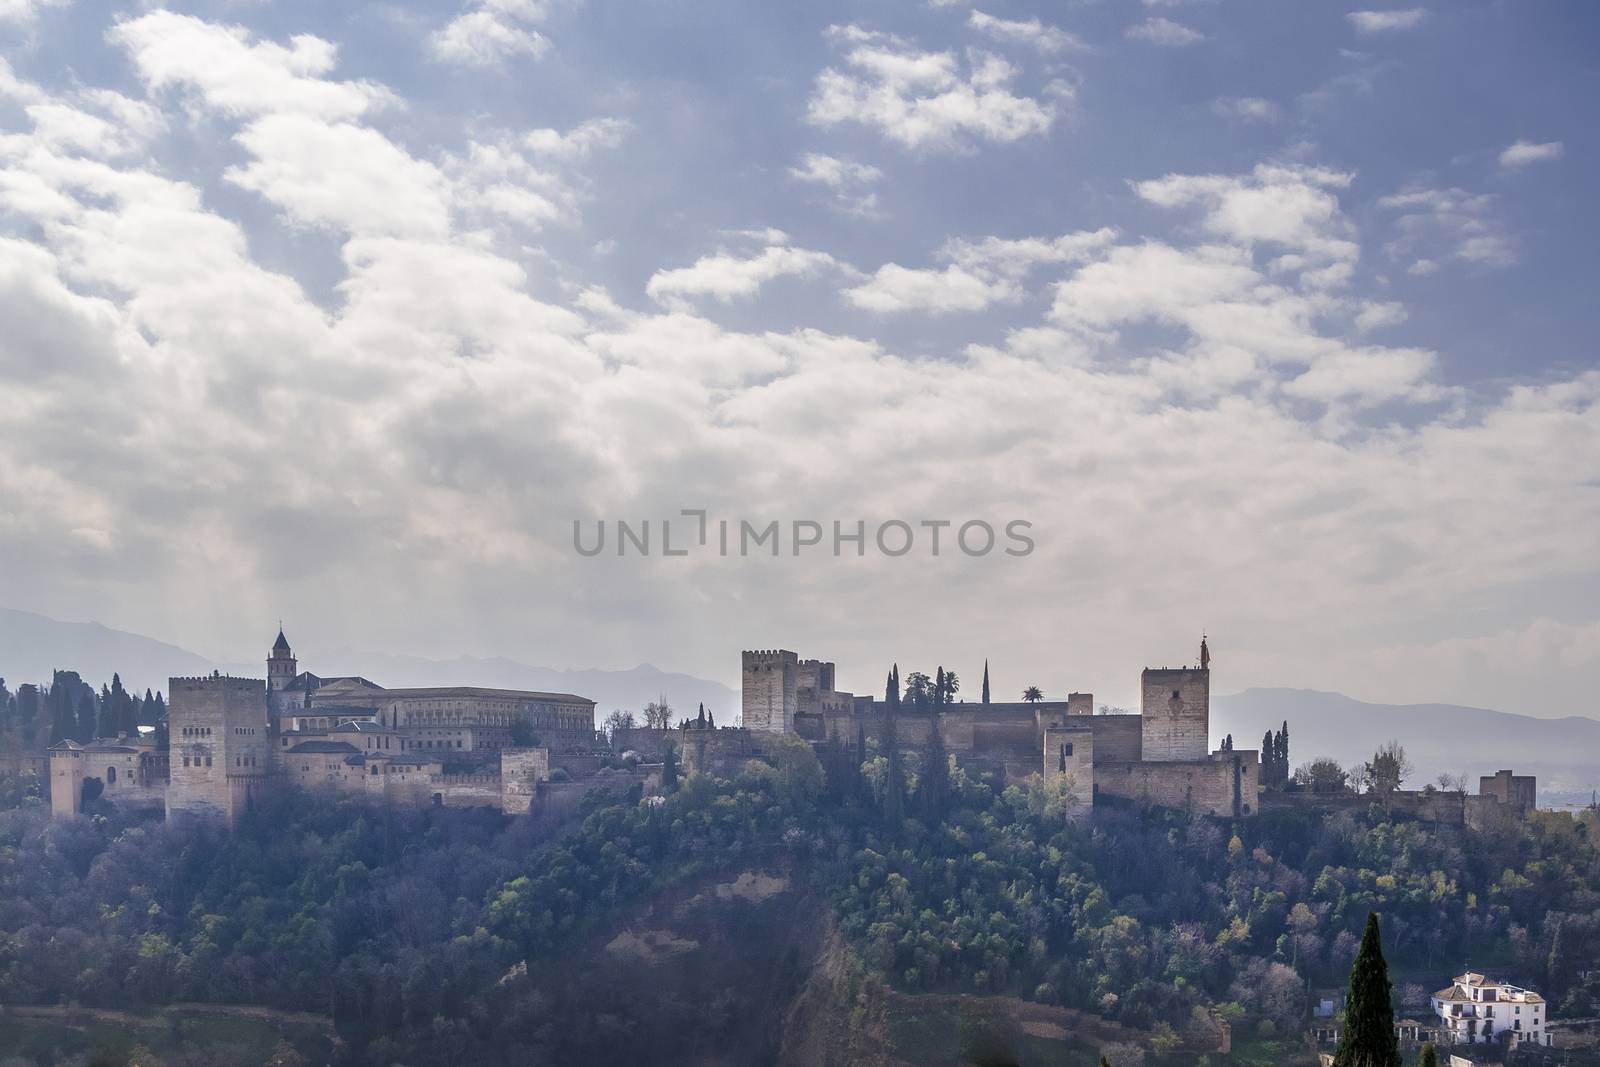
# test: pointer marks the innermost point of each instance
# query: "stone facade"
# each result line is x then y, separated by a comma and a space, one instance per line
221, 755
1223, 783
521, 772
1176, 713
1069, 750
1518, 792
770, 690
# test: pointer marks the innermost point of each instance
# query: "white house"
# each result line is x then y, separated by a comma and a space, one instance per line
1476, 1011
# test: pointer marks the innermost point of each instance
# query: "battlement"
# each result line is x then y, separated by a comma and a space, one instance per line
770, 655
214, 681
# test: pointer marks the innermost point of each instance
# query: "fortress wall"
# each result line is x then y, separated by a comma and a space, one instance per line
1449, 808
1205, 786
1176, 713
17, 766
1070, 750
1117, 738
721, 752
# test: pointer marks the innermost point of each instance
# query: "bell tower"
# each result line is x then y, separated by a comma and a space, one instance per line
281, 666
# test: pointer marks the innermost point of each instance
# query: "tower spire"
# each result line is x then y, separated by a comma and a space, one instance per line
1205, 654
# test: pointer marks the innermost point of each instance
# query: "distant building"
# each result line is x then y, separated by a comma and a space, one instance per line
1477, 1011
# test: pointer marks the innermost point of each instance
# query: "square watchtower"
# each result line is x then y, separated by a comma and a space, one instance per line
221, 747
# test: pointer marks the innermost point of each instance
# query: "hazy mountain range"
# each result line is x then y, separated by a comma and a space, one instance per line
1564, 753
1439, 738
31, 646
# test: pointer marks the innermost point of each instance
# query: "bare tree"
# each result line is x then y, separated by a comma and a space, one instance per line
658, 714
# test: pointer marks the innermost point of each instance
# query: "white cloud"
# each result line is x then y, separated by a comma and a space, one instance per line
239, 77
727, 276
577, 143
1524, 152
1375, 315
847, 180
1291, 206
925, 100
1165, 32
896, 289
26, 11
1030, 32
489, 32
833, 172
1434, 224
980, 274
1387, 21
1246, 108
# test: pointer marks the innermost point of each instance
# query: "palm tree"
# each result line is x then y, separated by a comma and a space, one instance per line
1032, 694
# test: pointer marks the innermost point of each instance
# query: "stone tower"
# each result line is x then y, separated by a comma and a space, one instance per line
281, 666
221, 747
770, 690
66, 778
1175, 713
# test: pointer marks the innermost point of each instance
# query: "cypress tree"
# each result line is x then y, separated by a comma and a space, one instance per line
986, 683
700, 721
711, 720
29, 707
895, 780
1368, 1038
669, 770
87, 714
63, 716
1430, 1058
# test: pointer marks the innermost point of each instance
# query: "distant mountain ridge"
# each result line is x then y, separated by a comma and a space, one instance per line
33, 645
1439, 738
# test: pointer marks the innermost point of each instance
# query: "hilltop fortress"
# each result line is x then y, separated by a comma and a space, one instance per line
234, 740
1160, 756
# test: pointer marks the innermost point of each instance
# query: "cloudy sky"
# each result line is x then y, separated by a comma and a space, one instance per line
1274, 320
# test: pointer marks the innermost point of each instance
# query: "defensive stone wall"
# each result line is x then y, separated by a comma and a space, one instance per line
1224, 784
720, 752
1117, 738
1069, 750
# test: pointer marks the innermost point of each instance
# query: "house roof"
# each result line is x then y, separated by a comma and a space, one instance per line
281, 644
